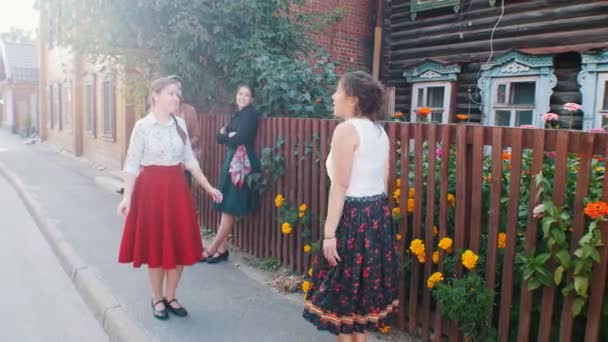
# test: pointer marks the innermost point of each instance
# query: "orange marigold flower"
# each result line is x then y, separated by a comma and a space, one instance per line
423, 111
502, 240
398, 115
435, 257
451, 200
410, 205
411, 193
506, 155
462, 117
385, 329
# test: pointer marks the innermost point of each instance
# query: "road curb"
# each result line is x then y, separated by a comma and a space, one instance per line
108, 311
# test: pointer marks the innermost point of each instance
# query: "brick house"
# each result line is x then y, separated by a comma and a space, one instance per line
18, 86
350, 41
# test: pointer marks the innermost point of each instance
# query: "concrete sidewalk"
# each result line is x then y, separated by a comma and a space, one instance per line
224, 303
40, 302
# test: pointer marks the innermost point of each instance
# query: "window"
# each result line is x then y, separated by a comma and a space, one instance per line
424, 5
516, 88
602, 99
433, 87
67, 108
593, 79
108, 108
56, 106
89, 105
49, 106
513, 103
435, 95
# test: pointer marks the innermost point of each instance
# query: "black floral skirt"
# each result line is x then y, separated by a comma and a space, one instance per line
359, 294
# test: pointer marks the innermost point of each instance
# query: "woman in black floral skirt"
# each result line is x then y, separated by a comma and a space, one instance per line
355, 286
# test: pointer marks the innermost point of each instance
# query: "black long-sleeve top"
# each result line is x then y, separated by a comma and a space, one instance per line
245, 124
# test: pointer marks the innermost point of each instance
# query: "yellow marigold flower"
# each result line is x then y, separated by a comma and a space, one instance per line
451, 200
502, 240
305, 286
397, 193
435, 257
307, 248
301, 214
396, 211
435, 231
385, 329
599, 169
411, 193
421, 258
445, 243
410, 205
417, 247
398, 182
279, 201
286, 228
469, 259
434, 279
303, 207
310, 272
398, 237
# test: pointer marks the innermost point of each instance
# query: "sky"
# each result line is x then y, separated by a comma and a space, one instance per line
18, 13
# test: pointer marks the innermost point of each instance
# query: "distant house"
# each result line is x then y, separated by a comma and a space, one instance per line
500, 65
83, 108
18, 86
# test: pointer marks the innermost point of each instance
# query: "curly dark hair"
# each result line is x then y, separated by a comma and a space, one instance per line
369, 91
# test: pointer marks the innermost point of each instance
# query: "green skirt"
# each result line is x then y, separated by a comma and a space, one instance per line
242, 201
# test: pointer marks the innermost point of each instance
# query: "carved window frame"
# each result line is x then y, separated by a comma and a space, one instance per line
516, 66
592, 79
417, 6
430, 73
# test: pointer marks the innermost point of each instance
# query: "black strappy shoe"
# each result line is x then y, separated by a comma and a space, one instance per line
180, 312
222, 257
163, 314
205, 258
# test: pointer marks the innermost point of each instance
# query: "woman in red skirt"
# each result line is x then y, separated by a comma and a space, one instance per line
161, 229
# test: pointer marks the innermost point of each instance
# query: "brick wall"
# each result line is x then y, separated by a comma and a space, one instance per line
350, 41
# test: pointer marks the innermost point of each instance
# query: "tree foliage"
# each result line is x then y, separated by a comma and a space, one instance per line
213, 44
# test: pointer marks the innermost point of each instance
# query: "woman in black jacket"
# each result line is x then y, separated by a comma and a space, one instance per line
239, 199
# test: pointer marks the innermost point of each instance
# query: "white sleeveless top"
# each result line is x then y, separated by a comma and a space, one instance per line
367, 176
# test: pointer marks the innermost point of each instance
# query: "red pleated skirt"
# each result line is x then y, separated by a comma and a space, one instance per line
161, 229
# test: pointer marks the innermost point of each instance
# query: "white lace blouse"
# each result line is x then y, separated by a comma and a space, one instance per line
155, 143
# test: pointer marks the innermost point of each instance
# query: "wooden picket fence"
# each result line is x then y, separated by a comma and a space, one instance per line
305, 181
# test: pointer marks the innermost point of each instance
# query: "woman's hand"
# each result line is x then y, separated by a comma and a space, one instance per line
123, 207
330, 251
215, 194
231, 134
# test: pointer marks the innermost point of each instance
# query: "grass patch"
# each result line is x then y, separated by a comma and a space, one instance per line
268, 264
206, 232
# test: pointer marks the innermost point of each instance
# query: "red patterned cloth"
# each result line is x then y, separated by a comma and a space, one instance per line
240, 166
